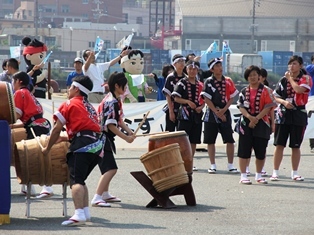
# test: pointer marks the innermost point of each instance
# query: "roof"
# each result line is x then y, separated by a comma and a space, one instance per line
244, 8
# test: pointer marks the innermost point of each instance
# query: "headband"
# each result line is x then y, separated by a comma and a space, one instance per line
33, 50
194, 65
81, 87
217, 60
124, 58
177, 59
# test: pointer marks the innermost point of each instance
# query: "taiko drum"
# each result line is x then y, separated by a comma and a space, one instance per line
179, 137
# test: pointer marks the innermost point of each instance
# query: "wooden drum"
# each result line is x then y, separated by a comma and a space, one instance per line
180, 137
7, 106
165, 167
32, 166
17, 135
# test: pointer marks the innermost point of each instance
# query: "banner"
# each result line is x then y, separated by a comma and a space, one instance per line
47, 58
128, 40
213, 48
137, 79
155, 122
226, 48
15, 52
99, 43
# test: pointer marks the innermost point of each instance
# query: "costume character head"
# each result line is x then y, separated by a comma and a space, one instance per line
34, 53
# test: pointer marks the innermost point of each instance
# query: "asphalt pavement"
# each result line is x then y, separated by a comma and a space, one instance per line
223, 205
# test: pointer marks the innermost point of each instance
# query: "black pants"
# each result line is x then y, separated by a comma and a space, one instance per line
311, 143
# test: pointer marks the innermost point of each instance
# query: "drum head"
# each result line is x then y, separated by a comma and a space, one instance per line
168, 135
7, 105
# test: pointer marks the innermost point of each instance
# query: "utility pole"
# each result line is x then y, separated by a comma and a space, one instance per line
36, 17
99, 12
253, 27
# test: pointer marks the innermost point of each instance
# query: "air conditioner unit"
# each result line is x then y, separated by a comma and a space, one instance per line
292, 46
263, 45
188, 44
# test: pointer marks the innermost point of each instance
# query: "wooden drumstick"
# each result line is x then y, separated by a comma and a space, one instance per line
154, 133
142, 122
36, 139
53, 111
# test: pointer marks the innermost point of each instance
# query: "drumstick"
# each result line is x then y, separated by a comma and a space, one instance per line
36, 138
53, 111
142, 122
151, 133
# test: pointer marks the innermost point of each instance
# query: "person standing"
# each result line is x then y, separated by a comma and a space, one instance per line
111, 119
78, 64
219, 92
254, 128
160, 81
201, 75
30, 112
80, 119
171, 108
291, 93
4, 77
95, 71
187, 93
310, 70
263, 80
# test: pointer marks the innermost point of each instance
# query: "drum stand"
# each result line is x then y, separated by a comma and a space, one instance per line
162, 198
64, 199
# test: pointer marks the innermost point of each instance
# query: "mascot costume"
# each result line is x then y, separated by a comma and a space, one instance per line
34, 53
133, 66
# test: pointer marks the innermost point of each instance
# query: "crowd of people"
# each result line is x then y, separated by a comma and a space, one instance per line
188, 91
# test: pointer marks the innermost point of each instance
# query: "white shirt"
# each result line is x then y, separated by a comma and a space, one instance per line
96, 73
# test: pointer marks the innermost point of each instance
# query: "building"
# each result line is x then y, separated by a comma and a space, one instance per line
248, 25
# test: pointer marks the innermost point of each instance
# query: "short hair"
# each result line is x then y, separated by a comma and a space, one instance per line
84, 54
295, 58
177, 56
251, 69
165, 70
213, 61
23, 77
13, 63
4, 64
85, 81
188, 55
116, 78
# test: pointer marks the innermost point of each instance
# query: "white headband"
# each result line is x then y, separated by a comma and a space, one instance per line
194, 65
217, 60
177, 59
124, 58
81, 87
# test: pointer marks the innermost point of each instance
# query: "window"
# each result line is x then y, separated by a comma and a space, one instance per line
50, 41
47, 8
65, 8
91, 44
125, 17
106, 44
7, 1
16, 40
139, 20
30, 13
84, 1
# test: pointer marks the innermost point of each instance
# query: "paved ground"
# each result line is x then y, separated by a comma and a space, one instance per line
223, 205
